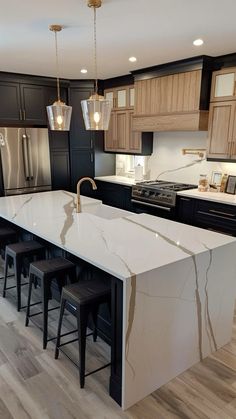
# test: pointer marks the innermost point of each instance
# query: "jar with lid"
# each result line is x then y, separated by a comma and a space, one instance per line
203, 183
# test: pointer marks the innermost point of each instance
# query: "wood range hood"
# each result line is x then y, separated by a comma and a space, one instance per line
173, 97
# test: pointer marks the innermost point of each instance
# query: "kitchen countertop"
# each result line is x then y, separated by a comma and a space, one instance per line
176, 309
221, 198
120, 180
110, 238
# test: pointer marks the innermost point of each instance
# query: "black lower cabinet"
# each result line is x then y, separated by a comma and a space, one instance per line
185, 209
207, 214
115, 195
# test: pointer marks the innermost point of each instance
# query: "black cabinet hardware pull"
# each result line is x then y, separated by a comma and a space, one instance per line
213, 215
185, 199
135, 201
226, 214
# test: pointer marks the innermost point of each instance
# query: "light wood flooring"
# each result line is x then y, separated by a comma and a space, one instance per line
34, 385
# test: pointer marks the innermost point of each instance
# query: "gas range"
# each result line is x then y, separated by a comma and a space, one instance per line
158, 193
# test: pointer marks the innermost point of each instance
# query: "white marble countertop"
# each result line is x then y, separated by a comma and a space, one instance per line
117, 241
222, 198
120, 180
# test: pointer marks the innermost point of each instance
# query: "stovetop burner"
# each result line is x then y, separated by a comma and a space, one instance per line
158, 192
167, 185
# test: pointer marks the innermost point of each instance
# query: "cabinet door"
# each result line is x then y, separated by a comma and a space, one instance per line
33, 99
60, 169
185, 210
122, 130
223, 85
116, 138
10, 110
82, 164
121, 100
79, 137
110, 95
220, 134
110, 134
135, 138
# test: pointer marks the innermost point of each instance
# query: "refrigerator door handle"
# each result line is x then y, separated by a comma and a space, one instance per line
30, 161
25, 157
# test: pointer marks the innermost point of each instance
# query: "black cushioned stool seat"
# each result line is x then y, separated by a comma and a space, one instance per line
61, 270
85, 297
17, 253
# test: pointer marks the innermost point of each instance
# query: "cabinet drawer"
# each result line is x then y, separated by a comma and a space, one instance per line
216, 216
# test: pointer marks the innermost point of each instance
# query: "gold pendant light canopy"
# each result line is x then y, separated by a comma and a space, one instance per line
59, 114
96, 109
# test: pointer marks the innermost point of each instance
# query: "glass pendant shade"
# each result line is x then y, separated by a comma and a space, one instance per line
96, 112
59, 116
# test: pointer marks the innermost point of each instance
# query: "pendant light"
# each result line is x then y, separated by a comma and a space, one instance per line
59, 114
96, 109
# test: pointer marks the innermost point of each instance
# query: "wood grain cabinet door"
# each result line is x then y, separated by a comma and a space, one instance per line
233, 144
122, 130
223, 85
134, 144
110, 134
221, 127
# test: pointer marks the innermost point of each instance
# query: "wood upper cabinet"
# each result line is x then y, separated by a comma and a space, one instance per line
120, 137
121, 97
222, 130
168, 94
223, 85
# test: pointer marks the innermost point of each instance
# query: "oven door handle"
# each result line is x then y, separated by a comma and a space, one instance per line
135, 201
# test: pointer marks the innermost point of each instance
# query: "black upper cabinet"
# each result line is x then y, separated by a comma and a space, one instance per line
22, 104
10, 108
79, 137
33, 102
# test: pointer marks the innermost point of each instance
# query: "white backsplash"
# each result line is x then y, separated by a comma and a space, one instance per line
167, 156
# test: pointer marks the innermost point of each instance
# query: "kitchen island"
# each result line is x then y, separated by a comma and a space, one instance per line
173, 285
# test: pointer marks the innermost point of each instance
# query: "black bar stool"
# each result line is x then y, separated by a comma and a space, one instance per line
45, 271
17, 253
85, 297
7, 236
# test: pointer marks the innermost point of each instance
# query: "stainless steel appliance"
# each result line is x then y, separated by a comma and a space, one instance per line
25, 160
157, 197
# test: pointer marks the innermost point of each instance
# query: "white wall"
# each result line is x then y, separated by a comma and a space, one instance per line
167, 155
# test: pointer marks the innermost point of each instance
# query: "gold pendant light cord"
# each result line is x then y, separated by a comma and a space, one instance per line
95, 50
57, 69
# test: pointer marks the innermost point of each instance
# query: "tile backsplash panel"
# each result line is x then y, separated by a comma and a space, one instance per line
167, 156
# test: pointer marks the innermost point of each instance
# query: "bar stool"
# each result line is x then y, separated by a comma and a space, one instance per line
85, 297
46, 271
7, 236
17, 253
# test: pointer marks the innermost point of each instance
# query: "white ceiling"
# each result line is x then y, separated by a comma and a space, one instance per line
155, 31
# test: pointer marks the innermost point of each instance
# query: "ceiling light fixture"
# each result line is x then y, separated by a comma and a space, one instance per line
84, 71
198, 42
59, 114
132, 59
96, 109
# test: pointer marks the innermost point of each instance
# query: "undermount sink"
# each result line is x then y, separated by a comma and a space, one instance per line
104, 211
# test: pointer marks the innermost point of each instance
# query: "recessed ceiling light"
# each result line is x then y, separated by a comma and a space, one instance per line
132, 59
84, 70
198, 42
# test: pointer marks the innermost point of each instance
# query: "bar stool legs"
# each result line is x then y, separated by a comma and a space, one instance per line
58, 340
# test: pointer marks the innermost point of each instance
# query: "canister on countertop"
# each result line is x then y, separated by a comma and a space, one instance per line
138, 173
223, 182
203, 183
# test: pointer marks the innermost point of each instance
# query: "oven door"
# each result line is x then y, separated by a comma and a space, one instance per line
153, 209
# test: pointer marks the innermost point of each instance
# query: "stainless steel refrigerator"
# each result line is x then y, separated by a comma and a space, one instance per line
25, 160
